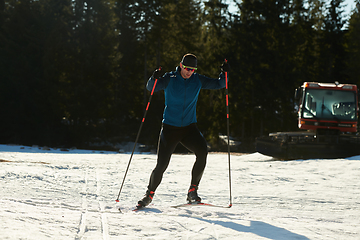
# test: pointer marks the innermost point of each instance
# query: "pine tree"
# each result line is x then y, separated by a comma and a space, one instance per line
23, 87
215, 35
353, 46
331, 45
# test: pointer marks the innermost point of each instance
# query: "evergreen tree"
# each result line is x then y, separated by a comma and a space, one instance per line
267, 63
23, 88
88, 75
215, 35
137, 34
332, 52
353, 46
315, 22
317, 12
72, 71
177, 32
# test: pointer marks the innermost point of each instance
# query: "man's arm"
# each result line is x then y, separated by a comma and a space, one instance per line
212, 83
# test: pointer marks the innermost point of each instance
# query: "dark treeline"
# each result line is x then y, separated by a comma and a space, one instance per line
74, 71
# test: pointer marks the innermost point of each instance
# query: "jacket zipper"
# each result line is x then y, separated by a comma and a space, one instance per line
182, 116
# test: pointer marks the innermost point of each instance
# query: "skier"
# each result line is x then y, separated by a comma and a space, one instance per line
182, 88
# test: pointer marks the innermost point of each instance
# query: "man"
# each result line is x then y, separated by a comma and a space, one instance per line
182, 88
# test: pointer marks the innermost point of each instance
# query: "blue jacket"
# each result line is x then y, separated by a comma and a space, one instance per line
181, 95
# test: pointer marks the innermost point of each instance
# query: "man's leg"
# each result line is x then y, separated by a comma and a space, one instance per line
166, 146
196, 142
168, 140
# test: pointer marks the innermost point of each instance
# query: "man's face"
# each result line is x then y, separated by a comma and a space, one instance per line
186, 71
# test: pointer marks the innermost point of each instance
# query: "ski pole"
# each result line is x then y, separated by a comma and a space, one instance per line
137, 138
228, 130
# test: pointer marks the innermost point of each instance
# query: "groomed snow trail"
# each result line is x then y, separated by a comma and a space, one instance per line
71, 195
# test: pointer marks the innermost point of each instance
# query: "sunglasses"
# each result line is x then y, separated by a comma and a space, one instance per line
190, 69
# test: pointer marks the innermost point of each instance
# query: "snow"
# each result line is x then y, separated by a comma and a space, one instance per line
52, 194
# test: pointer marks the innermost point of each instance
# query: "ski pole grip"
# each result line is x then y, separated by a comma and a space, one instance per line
227, 67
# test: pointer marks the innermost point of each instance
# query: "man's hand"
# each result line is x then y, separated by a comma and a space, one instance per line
225, 67
157, 73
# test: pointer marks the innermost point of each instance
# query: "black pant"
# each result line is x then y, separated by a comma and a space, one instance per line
170, 136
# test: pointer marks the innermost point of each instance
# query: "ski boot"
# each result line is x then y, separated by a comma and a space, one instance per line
192, 194
146, 199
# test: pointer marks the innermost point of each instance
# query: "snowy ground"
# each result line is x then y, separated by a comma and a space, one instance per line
50, 194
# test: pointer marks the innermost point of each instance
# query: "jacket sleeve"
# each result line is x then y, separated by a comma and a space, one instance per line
160, 84
212, 83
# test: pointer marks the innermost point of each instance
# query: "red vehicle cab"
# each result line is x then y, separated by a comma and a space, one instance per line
327, 107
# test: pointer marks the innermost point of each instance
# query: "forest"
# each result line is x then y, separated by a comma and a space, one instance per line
73, 72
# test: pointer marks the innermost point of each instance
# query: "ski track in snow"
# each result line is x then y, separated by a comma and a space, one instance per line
71, 195
86, 227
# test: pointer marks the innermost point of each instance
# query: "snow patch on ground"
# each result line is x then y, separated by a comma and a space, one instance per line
52, 194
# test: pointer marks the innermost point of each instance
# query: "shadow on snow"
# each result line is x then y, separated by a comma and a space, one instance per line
259, 228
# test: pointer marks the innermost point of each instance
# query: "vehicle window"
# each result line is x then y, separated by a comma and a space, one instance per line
329, 104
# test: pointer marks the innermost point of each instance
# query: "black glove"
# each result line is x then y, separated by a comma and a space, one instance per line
225, 67
157, 73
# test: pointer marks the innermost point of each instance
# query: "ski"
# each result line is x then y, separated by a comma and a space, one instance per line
149, 208
138, 207
200, 204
